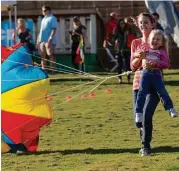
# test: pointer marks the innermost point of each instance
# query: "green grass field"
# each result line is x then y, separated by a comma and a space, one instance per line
98, 133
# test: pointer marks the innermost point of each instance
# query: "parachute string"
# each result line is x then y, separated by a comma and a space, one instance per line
89, 89
97, 85
59, 64
62, 70
78, 95
37, 116
105, 78
54, 94
86, 74
83, 74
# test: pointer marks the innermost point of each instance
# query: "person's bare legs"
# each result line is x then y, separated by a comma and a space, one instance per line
51, 57
50, 52
43, 55
43, 62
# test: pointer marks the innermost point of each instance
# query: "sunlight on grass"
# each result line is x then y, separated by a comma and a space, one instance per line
98, 134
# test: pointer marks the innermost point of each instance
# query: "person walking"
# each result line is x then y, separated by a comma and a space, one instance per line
46, 39
145, 23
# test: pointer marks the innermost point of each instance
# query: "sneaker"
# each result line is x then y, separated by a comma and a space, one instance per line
145, 152
138, 124
173, 113
120, 81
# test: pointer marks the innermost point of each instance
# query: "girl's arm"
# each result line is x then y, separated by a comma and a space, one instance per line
164, 61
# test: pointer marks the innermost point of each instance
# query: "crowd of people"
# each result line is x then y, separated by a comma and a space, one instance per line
120, 32
46, 39
138, 44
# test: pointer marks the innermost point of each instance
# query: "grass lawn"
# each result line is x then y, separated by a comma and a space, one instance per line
98, 133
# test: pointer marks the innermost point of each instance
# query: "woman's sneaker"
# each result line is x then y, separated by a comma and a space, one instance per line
145, 152
138, 119
173, 113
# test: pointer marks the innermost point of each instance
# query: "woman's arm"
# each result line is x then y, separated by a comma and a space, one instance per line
136, 61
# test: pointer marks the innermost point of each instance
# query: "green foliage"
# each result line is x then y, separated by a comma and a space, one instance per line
98, 133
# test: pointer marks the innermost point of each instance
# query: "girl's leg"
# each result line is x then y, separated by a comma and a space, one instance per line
160, 88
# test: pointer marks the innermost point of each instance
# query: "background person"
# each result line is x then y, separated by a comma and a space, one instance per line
157, 25
109, 40
46, 38
24, 35
123, 51
78, 30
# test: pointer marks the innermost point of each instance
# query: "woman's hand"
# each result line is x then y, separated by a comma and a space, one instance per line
150, 65
140, 55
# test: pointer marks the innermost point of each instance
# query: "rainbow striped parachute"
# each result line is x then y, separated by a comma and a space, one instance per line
25, 108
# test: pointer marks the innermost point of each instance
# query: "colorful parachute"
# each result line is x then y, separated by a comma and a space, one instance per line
25, 108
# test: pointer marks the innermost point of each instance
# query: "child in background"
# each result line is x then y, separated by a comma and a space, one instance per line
152, 78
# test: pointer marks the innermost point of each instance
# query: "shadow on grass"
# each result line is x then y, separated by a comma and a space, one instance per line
162, 149
172, 83
165, 149
85, 151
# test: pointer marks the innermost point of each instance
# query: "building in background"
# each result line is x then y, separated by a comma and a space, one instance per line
93, 14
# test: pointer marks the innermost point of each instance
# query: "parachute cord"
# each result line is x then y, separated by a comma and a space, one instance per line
104, 79
59, 64
65, 102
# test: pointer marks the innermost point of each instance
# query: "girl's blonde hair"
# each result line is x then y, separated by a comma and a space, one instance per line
158, 32
22, 21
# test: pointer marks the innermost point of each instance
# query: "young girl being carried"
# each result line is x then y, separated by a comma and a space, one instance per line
151, 78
